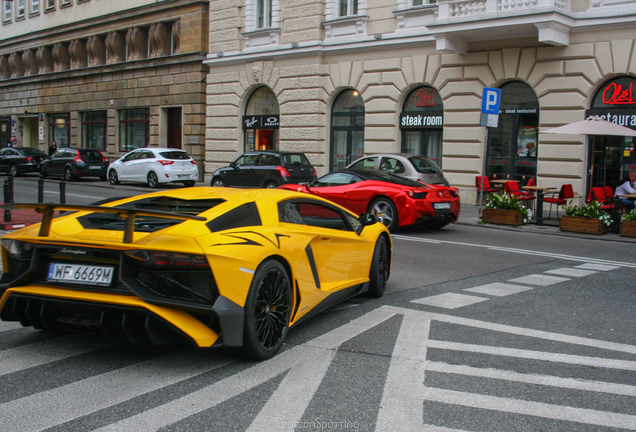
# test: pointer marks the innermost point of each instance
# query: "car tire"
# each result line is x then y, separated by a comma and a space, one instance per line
270, 185
267, 311
112, 177
384, 209
217, 182
13, 170
153, 180
189, 183
68, 174
380, 268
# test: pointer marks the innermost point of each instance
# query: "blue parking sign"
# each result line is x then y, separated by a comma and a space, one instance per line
490, 100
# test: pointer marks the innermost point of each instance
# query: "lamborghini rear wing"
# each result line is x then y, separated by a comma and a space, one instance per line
47, 211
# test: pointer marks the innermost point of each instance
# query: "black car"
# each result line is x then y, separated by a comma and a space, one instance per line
72, 163
20, 160
268, 169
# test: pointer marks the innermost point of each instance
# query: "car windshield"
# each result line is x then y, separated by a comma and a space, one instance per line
296, 159
424, 165
175, 155
107, 221
390, 178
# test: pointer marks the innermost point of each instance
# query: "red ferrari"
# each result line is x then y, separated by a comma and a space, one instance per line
396, 201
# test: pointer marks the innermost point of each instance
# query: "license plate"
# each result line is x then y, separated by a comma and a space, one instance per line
94, 167
183, 176
80, 274
442, 206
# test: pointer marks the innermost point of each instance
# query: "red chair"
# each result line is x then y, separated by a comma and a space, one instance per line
531, 182
487, 188
607, 202
561, 199
512, 187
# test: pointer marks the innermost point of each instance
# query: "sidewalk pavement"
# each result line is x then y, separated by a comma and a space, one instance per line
469, 215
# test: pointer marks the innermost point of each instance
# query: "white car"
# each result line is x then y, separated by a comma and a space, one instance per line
154, 166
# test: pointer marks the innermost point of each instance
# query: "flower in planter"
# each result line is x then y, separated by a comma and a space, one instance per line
505, 202
591, 210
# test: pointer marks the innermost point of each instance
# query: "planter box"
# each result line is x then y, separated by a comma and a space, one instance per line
628, 228
502, 217
583, 225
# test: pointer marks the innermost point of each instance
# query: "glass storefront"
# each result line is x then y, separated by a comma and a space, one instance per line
611, 157
60, 129
513, 144
134, 129
347, 129
421, 123
94, 130
261, 121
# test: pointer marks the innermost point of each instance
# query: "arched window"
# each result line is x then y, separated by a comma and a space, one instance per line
261, 121
422, 122
347, 129
513, 144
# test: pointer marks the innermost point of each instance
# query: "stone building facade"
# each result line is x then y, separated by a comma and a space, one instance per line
338, 79
113, 75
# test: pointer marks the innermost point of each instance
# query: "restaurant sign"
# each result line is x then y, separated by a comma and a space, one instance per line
422, 120
622, 117
261, 122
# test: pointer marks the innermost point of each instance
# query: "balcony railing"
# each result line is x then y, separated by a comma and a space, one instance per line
460, 10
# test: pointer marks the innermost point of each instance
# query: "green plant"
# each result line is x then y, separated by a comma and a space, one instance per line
505, 202
591, 210
630, 215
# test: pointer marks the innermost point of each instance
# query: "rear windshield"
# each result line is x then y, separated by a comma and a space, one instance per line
296, 159
425, 165
91, 154
175, 155
30, 151
390, 178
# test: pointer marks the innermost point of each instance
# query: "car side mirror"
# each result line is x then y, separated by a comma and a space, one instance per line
233, 165
366, 219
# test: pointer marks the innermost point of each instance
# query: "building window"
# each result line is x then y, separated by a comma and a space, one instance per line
20, 9
7, 11
66, 3
263, 13
50, 4
347, 8
35, 7
347, 129
422, 122
261, 121
134, 129
60, 129
94, 130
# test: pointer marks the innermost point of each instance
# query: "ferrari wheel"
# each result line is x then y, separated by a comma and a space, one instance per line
385, 211
380, 268
153, 180
267, 311
112, 177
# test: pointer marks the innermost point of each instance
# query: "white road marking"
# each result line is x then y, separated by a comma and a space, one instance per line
570, 272
537, 279
498, 289
599, 267
449, 300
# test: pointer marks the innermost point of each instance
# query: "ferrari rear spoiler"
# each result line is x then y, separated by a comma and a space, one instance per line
47, 211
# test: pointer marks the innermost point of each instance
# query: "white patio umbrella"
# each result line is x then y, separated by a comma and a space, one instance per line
592, 126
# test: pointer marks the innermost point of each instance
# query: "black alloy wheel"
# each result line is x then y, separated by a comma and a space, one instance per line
267, 311
380, 268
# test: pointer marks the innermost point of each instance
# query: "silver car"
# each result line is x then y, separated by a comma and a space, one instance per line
412, 166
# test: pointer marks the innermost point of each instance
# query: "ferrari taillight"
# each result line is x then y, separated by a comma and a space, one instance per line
283, 172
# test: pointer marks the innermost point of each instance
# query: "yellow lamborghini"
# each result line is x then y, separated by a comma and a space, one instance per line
219, 266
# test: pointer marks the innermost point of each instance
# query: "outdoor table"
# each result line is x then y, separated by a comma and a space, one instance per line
540, 192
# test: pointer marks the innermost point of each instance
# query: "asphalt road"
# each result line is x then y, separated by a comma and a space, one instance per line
480, 330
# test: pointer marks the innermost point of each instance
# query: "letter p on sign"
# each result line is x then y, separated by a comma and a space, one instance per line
490, 101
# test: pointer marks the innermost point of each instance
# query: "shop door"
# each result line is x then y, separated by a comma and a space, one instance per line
609, 162
347, 146
174, 128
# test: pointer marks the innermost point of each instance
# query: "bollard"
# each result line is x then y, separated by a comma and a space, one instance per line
7, 213
616, 219
9, 199
62, 192
40, 190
